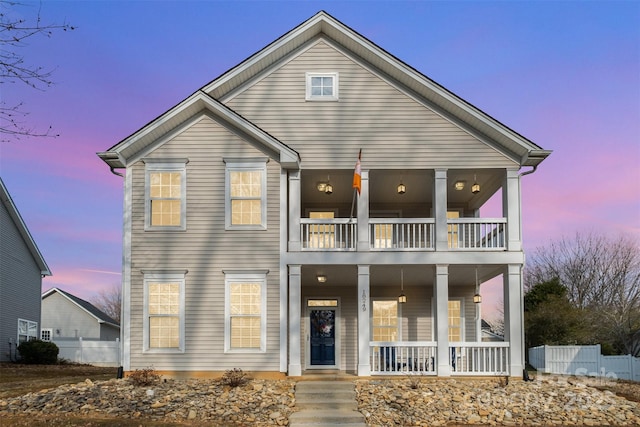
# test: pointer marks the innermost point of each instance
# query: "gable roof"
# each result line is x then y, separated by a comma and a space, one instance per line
7, 201
92, 310
193, 108
430, 93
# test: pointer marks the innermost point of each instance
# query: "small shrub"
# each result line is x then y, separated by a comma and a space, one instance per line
234, 377
144, 377
414, 381
37, 352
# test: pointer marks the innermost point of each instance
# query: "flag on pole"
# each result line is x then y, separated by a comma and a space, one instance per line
357, 177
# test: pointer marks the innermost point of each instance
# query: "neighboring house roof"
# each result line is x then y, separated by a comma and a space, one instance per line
7, 201
387, 66
92, 310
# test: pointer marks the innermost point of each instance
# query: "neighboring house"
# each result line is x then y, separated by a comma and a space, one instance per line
243, 247
22, 268
488, 335
65, 316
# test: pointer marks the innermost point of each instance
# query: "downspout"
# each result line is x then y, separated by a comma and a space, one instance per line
113, 171
522, 341
529, 171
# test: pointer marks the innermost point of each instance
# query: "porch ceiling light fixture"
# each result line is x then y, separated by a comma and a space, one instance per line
402, 298
459, 185
401, 187
321, 278
477, 298
475, 188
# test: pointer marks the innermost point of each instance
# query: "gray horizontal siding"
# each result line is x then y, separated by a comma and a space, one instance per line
205, 249
393, 129
20, 283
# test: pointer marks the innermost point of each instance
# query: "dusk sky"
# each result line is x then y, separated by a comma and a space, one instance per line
566, 75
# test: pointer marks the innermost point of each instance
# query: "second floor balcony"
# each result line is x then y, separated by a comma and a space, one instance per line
417, 211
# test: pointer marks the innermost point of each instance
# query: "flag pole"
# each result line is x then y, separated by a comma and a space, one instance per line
353, 202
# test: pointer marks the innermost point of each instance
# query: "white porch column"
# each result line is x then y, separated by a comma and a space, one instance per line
363, 213
295, 295
514, 317
440, 209
441, 295
511, 209
294, 211
364, 364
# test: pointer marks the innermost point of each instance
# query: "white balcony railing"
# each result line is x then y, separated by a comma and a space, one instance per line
402, 358
479, 358
401, 233
477, 233
337, 234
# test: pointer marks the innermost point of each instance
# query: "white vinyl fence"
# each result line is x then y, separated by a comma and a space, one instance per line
97, 353
583, 360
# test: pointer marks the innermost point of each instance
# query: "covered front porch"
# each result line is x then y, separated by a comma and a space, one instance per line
348, 318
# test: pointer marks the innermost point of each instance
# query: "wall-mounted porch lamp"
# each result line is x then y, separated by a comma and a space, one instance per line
321, 278
402, 298
475, 188
477, 298
459, 185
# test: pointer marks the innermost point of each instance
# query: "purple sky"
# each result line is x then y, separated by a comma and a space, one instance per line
564, 74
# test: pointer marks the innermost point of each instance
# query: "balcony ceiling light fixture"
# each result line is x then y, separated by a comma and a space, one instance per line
477, 298
325, 186
475, 188
401, 187
459, 185
402, 298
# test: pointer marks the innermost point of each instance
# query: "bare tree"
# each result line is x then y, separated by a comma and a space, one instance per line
602, 278
15, 32
110, 301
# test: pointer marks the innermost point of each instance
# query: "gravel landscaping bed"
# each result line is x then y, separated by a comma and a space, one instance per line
384, 402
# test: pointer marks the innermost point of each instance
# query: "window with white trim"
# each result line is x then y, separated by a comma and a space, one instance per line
165, 195
384, 320
246, 195
27, 330
321, 87
456, 322
245, 312
163, 312
46, 334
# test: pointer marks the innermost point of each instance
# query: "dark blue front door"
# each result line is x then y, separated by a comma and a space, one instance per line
323, 336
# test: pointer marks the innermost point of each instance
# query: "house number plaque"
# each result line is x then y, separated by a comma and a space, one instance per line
364, 300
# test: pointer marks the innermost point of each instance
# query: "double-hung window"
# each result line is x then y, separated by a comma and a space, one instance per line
384, 320
165, 194
164, 312
27, 330
321, 87
245, 312
456, 320
246, 194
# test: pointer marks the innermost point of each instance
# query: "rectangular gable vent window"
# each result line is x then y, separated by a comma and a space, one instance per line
322, 87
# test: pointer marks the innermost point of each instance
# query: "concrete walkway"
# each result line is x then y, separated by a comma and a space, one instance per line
326, 403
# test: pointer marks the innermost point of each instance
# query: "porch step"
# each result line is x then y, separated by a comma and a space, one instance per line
326, 403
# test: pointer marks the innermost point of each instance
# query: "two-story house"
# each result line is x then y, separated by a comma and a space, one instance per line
247, 246
22, 268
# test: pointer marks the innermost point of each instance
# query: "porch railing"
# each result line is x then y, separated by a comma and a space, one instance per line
477, 233
479, 358
337, 234
403, 358
401, 233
